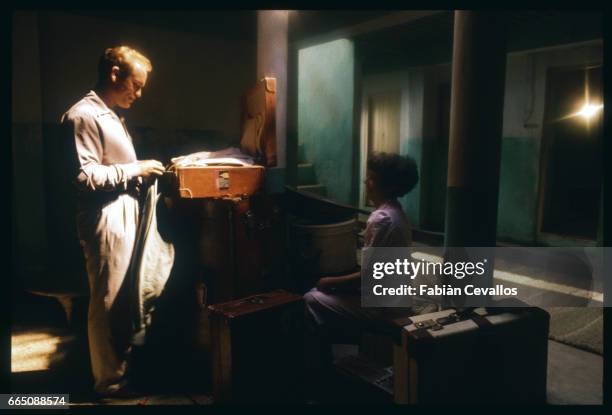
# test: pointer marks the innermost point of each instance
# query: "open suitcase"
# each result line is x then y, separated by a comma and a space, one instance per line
238, 230
258, 140
496, 356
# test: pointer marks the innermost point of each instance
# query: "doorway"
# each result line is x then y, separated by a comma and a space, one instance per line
437, 166
571, 164
383, 124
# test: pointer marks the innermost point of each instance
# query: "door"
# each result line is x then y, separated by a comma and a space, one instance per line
383, 124
437, 168
571, 168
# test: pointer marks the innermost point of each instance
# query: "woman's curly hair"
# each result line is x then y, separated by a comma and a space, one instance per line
395, 175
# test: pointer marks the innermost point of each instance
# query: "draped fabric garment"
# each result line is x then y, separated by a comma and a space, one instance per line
152, 261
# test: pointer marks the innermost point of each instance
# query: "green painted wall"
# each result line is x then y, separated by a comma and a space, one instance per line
433, 181
518, 194
518, 189
325, 114
411, 202
411, 140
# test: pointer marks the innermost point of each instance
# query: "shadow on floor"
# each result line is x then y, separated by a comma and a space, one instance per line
52, 356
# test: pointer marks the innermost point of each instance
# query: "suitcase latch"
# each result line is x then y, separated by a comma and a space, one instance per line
429, 324
223, 180
256, 300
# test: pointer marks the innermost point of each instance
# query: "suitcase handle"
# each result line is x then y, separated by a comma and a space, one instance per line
439, 323
185, 190
457, 316
256, 299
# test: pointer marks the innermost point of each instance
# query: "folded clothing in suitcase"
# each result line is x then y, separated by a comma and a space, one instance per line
236, 175
257, 348
492, 355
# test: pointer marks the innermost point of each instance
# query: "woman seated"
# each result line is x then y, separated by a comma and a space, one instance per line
334, 306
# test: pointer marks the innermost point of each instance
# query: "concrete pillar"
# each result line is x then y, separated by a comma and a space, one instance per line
291, 176
477, 99
272, 41
474, 151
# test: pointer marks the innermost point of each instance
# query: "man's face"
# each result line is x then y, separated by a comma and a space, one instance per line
129, 89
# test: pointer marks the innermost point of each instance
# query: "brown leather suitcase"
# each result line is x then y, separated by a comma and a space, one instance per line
219, 181
257, 348
240, 246
258, 140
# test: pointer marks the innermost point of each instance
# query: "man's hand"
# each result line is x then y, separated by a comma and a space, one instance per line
150, 167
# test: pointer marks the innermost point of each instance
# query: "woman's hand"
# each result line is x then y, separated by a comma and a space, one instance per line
344, 283
327, 284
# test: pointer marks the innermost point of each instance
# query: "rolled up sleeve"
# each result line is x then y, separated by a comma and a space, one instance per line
378, 230
92, 174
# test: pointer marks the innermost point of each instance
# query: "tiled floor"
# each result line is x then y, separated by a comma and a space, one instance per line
52, 360
48, 359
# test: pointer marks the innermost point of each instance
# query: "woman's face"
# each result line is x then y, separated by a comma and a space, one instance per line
372, 190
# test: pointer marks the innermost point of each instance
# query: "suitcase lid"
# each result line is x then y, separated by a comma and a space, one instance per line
253, 304
258, 137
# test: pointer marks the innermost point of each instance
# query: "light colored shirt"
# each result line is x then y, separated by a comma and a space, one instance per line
106, 156
105, 165
388, 226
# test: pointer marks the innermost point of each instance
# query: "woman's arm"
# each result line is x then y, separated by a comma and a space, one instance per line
344, 283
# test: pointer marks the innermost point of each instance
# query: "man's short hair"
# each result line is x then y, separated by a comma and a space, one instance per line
395, 175
124, 57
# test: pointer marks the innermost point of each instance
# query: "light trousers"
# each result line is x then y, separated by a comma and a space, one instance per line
108, 250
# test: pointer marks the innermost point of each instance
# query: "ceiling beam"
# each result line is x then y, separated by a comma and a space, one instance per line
380, 23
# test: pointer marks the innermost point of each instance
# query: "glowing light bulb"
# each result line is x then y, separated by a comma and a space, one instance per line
589, 110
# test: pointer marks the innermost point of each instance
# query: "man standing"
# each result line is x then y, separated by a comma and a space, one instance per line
107, 172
